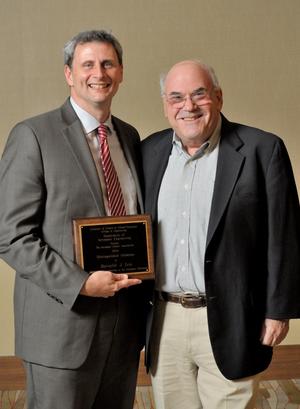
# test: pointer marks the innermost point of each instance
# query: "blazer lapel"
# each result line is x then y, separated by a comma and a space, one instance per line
229, 165
75, 138
131, 158
158, 161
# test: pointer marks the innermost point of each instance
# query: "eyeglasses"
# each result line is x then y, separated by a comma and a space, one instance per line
198, 97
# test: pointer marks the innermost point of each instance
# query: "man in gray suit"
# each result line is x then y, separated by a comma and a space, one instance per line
79, 334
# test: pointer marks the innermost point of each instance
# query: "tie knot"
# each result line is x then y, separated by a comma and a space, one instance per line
102, 131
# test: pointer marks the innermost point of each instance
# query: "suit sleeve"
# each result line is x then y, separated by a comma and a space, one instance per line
283, 238
23, 196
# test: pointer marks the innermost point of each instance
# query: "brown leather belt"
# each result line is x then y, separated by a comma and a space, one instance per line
186, 300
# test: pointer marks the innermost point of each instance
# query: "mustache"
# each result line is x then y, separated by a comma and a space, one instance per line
186, 114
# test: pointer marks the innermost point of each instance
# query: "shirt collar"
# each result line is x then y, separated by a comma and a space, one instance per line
89, 122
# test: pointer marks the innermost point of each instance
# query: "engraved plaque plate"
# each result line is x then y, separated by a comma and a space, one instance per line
120, 244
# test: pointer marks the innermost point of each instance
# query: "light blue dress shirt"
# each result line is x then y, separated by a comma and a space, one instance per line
184, 205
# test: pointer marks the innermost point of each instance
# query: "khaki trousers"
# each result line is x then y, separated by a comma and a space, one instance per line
184, 373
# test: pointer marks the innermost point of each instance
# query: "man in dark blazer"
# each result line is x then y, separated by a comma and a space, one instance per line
79, 333
226, 223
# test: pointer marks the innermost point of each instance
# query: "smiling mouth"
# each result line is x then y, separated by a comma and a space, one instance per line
99, 86
191, 118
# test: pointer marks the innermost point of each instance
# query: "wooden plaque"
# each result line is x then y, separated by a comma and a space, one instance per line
120, 244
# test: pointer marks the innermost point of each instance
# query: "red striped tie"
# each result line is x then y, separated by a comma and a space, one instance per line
114, 193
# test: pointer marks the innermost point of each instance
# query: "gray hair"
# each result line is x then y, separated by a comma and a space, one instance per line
102, 36
210, 71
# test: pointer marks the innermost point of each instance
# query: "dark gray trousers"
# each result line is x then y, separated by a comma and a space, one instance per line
107, 379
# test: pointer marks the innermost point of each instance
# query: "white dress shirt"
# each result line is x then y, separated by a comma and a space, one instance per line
90, 125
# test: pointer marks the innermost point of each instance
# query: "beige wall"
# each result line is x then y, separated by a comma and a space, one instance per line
253, 45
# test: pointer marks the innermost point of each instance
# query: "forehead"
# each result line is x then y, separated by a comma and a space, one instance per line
95, 49
187, 77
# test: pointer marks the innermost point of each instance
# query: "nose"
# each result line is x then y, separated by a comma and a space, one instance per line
189, 104
99, 70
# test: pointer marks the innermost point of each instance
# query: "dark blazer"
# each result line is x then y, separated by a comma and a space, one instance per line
252, 265
47, 178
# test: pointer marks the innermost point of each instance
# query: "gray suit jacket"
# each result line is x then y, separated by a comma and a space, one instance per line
47, 178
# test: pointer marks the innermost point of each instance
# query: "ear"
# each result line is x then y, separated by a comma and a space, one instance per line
219, 96
165, 105
68, 75
121, 73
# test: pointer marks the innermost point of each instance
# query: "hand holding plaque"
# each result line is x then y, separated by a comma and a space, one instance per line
118, 244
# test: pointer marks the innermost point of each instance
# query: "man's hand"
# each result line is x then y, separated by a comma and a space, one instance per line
274, 331
106, 284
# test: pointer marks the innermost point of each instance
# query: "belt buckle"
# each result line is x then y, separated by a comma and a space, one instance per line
199, 300
184, 298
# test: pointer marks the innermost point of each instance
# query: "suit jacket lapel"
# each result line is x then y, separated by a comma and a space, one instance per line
229, 164
159, 161
75, 138
131, 158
